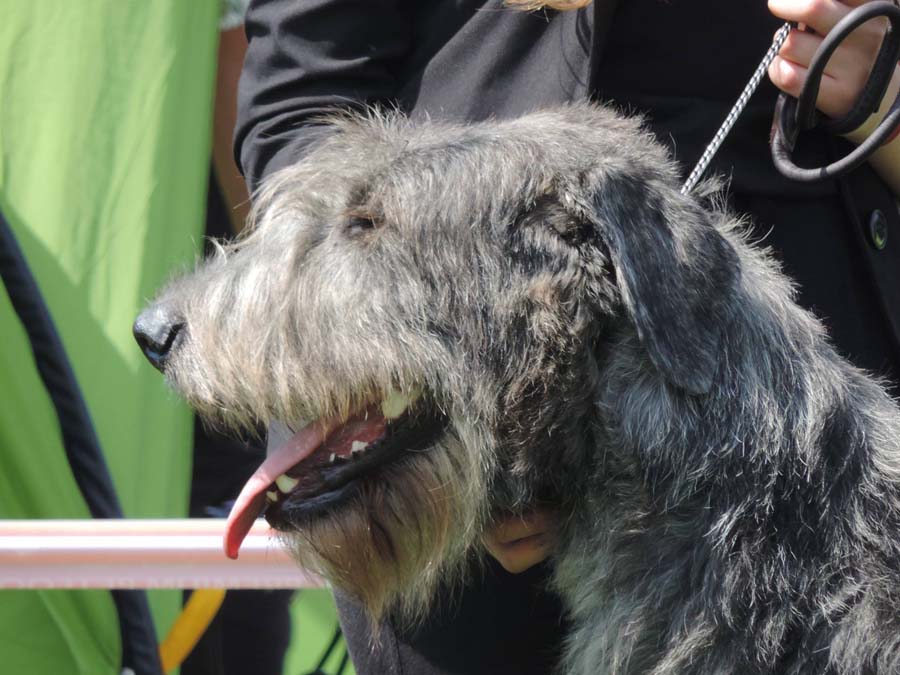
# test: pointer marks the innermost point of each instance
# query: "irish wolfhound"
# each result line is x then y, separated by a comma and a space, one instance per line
463, 321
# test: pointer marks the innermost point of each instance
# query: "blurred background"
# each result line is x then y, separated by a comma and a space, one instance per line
115, 161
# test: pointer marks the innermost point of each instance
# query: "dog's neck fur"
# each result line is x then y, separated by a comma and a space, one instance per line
692, 559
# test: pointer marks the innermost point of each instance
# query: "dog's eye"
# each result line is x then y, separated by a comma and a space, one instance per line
359, 221
355, 222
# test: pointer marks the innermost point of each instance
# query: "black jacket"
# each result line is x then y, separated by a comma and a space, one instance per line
471, 59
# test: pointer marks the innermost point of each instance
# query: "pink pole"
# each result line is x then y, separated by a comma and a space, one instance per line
141, 554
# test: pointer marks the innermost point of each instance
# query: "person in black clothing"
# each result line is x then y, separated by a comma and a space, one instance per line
681, 64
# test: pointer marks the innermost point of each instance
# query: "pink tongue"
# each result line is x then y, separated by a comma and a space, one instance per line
249, 503
339, 434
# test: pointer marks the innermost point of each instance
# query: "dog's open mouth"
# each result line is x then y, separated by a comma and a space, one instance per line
323, 463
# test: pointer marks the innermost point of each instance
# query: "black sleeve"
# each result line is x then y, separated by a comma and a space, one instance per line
306, 58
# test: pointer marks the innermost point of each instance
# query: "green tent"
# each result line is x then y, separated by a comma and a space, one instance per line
104, 139
105, 116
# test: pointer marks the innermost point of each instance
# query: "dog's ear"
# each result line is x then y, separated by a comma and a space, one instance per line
675, 272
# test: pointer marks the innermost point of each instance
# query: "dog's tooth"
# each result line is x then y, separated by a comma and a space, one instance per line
285, 483
394, 404
357, 447
332, 457
272, 496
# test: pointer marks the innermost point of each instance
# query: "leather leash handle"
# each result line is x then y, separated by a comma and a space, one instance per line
793, 116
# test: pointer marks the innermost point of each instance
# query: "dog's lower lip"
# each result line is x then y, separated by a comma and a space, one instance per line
323, 484
284, 515
309, 507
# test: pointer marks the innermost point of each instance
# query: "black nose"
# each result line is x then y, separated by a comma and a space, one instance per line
156, 331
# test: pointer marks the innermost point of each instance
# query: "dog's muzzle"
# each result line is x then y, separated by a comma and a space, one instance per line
157, 330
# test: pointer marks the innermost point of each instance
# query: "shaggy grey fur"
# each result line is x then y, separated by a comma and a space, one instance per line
728, 485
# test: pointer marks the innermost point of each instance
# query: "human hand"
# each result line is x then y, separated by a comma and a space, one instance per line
519, 542
847, 70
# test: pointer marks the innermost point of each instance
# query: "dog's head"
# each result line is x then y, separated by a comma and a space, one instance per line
428, 308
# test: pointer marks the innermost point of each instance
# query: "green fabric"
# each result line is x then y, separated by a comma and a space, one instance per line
314, 620
105, 115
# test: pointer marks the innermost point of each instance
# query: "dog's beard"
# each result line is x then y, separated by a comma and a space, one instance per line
397, 539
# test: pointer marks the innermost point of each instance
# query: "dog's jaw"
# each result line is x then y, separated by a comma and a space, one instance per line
327, 455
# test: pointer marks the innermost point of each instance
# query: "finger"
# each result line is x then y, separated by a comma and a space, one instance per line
861, 44
855, 3
800, 47
522, 554
820, 15
519, 542
517, 527
850, 61
835, 99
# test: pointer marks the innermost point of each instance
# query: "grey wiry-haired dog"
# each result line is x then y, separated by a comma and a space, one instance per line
478, 318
